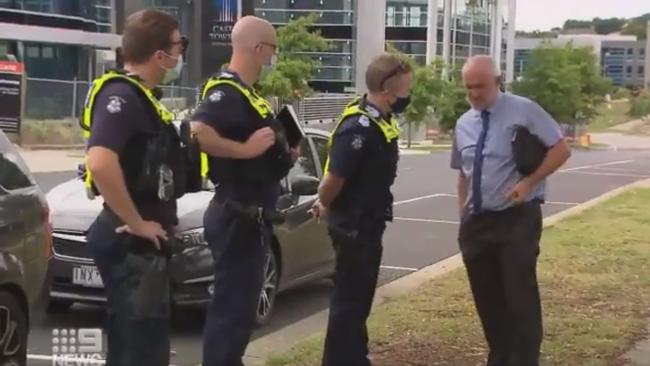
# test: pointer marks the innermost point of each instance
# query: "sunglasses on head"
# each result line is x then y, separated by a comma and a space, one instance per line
400, 69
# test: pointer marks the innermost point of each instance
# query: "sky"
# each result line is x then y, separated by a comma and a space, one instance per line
546, 14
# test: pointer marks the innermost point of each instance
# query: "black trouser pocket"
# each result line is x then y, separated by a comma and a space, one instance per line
146, 286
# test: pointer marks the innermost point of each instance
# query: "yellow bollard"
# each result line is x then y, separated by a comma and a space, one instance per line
585, 140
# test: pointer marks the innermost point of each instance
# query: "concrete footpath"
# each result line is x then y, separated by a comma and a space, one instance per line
51, 161
283, 339
621, 141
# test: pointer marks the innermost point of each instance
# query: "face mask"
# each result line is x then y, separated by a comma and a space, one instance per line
266, 69
175, 72
400, 104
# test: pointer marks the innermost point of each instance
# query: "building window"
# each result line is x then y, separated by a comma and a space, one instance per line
629, 70
47, 52
415, 17
641, 70
630, 51
32, 52
390, 16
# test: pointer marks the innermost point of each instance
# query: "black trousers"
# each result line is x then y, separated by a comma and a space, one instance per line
500, 251
138, 294
357, 267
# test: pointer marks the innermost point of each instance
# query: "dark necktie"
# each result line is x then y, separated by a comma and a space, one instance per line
477, 172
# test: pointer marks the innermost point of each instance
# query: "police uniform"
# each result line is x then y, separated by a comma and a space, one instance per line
364, 151
237, 228
499, 240
124, 116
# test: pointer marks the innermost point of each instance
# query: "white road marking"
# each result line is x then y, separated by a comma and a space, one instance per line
426, 220
400, 268
562, 203
422, 198
622, 170
619, 162
611, 174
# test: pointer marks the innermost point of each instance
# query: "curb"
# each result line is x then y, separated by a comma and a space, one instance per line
285, 338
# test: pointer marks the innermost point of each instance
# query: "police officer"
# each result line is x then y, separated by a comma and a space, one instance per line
248, 156
133, 163
356, 199
501, 220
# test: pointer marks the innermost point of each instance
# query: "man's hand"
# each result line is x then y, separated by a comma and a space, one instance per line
295, 153
259, 142
149, 230
319, 211
521, 190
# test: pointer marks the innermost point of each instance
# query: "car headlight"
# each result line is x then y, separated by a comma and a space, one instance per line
192, 238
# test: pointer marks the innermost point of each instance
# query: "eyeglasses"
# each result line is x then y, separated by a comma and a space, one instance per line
400, 69
274, 46
184, 42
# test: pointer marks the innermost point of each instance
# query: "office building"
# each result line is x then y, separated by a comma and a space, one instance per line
621, 58
358, 30
56, 39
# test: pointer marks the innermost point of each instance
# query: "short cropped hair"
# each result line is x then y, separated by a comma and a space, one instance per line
146, 32
383, 69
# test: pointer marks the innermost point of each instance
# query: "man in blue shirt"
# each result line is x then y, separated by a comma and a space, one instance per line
501, 219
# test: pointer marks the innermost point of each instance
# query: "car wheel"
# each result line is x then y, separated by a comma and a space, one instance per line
13, 330
270, 288
59, 306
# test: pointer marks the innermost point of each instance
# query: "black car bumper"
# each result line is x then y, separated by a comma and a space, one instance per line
191, 276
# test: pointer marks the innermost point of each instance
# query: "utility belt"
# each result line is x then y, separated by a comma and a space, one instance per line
349, 222
250, 212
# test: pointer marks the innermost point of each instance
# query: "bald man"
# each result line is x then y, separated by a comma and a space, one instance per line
501, 218
246, 161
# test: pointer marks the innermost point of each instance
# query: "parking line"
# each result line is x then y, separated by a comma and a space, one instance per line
422, 198
561, 203
610, 174
618, 162
400, 268
426, 220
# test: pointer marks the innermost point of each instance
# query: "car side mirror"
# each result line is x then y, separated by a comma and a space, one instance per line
304, 185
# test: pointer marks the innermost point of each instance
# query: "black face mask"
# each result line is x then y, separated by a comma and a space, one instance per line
400, 104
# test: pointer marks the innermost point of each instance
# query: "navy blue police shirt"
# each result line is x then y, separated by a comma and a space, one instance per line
229, 113
361, 155
121, 120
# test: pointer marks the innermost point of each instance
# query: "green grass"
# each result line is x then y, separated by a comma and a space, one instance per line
50, 132
607, 118
595, 281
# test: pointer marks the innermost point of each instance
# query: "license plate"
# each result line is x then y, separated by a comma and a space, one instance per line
87, 276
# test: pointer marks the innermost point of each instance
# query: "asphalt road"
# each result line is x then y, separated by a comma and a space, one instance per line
423, 233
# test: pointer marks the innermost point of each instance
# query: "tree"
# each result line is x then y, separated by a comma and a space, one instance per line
552, 81
637, 26
577, 24
565, 81
609, 25
433, 95
289, 80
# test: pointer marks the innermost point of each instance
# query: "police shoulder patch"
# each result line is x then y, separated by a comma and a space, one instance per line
357, 142
114, 104
216, 96
364, 121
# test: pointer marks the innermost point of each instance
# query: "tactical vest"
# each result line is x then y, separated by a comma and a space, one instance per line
146, 184
275, 163
377, 172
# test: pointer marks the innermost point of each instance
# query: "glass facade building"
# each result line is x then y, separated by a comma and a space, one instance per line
45, 55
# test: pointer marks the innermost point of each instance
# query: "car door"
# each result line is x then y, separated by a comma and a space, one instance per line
22, 215
304, 241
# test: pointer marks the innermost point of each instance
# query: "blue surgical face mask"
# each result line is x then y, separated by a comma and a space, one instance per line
175, 72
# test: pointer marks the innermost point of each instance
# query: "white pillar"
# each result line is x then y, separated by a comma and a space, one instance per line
432, 30
446, 32
370, 35
498, 33
510, 51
